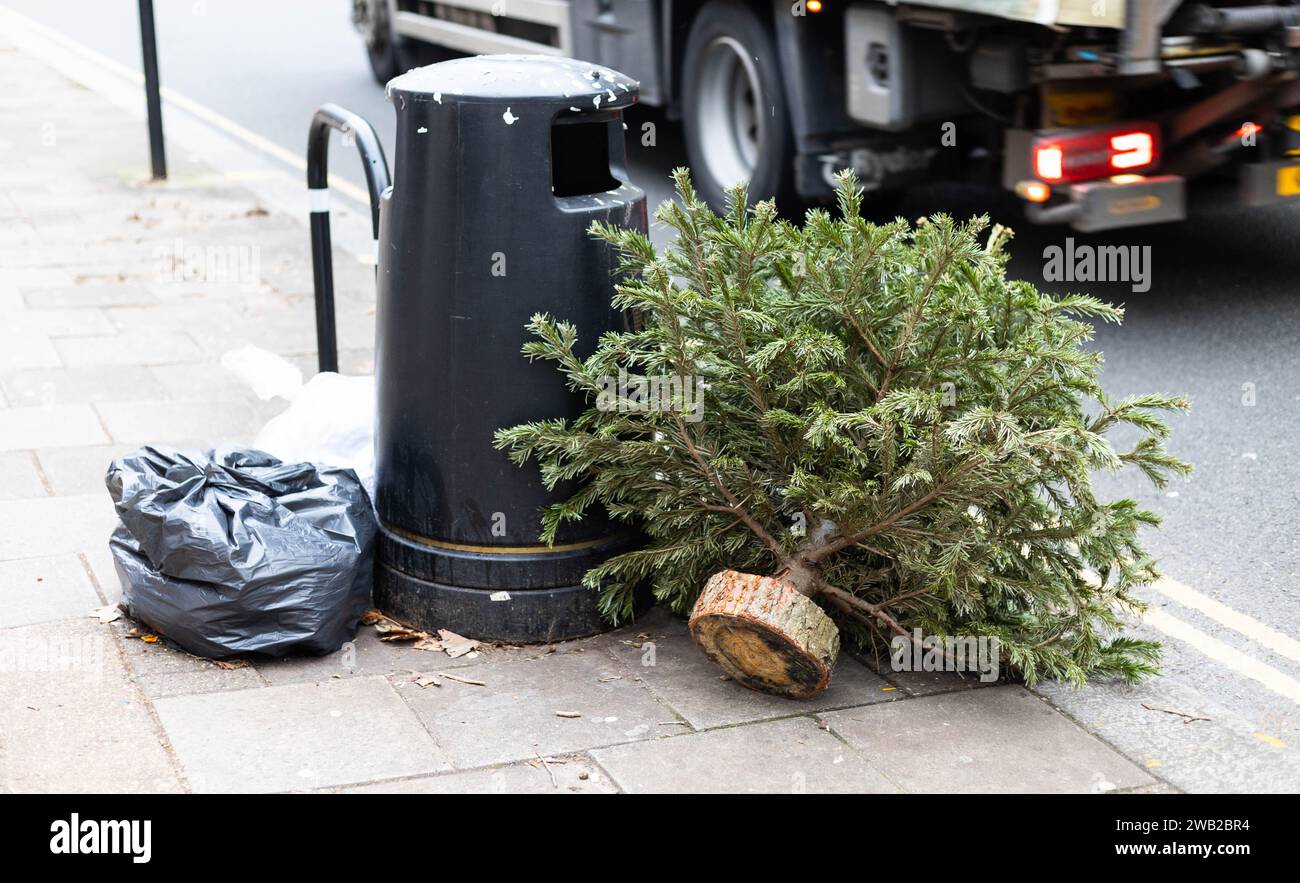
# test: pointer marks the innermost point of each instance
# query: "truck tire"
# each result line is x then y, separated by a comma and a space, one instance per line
736, 120
389, 54
370, 17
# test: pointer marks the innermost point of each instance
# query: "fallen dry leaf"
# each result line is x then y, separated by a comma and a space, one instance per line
455, 645
230, 664
401, 633
427, 681
149, 639
391, 630
111, 613
430, 644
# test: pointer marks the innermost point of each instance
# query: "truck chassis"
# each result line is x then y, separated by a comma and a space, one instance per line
1097, 113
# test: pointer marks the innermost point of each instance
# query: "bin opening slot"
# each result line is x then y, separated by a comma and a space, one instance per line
580, 157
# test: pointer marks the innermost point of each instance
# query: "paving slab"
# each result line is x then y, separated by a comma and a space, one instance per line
164, 669
45, 277
514, 716
97, 293
102, 570
73, 322
10, 301
41, 427
670, 663
19, 351
45, 526
571, 774
70, 718
297, 737
36, 590
19, 476
198, 307
292, 333
212, 679
366, 655
137, 346
63, 245
204, 381
794, 755
69, 386
1003, 739
157, 659
79, 470
165, 422
930, 683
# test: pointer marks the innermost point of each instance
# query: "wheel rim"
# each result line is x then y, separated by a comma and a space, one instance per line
729, 122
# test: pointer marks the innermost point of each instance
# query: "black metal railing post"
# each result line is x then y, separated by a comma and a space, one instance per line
153, 100
332, 117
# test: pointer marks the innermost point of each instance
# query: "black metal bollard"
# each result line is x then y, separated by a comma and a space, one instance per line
502, 164
331, 117
152, 91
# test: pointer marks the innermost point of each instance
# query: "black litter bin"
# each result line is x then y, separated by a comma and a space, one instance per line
502, 163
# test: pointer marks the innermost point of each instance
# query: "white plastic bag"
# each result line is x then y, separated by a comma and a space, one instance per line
330, 420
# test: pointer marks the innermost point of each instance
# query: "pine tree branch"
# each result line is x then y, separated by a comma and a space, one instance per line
913, 320
735, 507
868, 339
823, 552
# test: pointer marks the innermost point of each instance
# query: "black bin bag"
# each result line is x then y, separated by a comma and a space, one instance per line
237, 552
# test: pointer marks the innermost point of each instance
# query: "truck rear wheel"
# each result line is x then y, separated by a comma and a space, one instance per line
736, 119
370, 17
390, 54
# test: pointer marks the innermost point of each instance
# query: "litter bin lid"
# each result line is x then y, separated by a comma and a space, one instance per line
517, 78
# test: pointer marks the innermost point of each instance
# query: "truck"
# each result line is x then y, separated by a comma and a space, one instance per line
1095, 113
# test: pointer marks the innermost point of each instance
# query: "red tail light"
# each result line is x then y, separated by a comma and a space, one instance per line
1098, 153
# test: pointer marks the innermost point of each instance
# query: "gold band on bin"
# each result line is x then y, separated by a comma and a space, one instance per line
503, 550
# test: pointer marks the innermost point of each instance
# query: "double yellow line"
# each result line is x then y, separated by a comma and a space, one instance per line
1221, 652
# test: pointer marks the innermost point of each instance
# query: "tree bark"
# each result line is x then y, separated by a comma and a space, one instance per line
765, 633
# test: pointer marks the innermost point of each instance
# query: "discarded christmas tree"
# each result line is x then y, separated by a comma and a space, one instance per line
862, 422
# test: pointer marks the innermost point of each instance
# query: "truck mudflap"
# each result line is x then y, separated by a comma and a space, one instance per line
1122, 201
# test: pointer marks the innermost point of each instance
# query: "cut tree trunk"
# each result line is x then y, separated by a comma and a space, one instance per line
765, 634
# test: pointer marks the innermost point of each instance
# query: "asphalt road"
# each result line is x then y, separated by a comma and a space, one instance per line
269, 65
1220, 324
